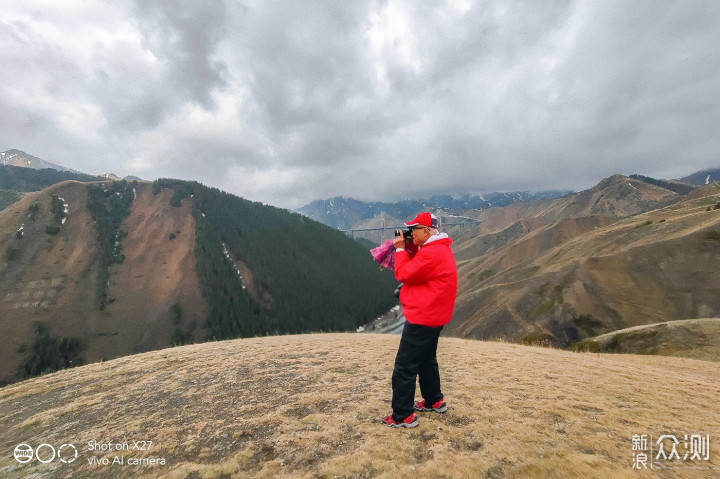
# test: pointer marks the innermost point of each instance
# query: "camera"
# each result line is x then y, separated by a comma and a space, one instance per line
404, 233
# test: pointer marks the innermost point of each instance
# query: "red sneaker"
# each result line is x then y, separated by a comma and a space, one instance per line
410, 421
439, 406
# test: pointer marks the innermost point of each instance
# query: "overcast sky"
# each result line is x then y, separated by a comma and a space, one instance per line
289, 101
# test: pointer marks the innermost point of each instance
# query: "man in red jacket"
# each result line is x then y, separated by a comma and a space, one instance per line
429, 279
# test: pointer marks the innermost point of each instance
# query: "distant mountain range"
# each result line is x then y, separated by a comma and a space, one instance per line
24, 160
346, 213
702, 177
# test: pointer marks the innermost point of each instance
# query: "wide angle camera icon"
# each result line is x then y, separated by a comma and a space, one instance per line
24, 453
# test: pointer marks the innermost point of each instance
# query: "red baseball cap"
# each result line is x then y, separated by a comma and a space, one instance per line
425, 219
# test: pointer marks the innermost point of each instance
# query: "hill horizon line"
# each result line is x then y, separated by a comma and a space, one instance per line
705, 172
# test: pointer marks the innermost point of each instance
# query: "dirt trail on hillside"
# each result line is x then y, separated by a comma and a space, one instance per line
310, 406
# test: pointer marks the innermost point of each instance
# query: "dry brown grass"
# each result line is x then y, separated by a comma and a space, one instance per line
310, 406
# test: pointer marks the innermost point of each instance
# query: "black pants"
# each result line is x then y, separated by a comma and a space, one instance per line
416, 356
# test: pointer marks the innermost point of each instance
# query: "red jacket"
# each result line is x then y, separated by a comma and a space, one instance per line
429, 283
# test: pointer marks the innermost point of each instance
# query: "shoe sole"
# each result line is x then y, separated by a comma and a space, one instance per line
412, 424
425, 409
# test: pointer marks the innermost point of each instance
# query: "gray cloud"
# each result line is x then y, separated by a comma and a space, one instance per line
286, 102
185, 35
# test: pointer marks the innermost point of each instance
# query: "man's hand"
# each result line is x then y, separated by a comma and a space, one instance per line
399, 242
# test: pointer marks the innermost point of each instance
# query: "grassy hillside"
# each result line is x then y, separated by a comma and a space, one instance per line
563, 280
615, 197
690, 338
310, 405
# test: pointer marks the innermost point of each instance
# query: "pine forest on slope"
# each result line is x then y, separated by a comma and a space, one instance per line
17, 178
307, 277
134, 268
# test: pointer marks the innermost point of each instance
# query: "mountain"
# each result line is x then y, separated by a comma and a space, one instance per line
310, 406
489, 200
615, 197
347, 213
343, 213
93, 271
624, 253
672, 185
21, 179
703, 177
24, 160
20, 159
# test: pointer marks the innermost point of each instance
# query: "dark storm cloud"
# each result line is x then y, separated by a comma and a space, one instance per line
139, 81
309, 77
286, 102
640, 82
184, 34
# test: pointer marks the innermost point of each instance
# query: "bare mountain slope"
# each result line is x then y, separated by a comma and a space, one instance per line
158, 270
616, 197
48, 278
96, 271
580, 276
53, 277
310, 406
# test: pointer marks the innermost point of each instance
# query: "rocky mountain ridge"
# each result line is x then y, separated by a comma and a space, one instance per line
20, 158
347, 213
624, 253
